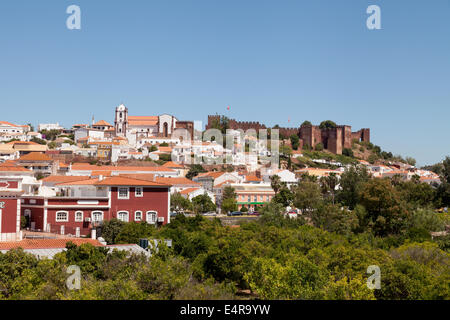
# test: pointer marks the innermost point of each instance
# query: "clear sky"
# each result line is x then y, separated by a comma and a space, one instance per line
271, 61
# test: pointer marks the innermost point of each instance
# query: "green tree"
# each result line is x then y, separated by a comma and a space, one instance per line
111, 229
229, 193
347, 152
334, 219
132, 232
295, 141
229, 205
385, 209
179, 203
327, 124
443, 191
306, 123
194, 170
351, 183
307, 196
328, 185
415, 193
275, 183
284, 196
411, 161
202, 204
319, 147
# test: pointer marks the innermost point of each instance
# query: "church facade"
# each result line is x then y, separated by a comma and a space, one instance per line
142, 127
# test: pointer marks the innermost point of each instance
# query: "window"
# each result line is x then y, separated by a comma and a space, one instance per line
256, 199
122, 216
97, 216
123, 193
139, 192
151, 217
138, 216
249, 199
79, 216
62, 216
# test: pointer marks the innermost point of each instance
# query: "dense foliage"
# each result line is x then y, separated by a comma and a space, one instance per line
324, 253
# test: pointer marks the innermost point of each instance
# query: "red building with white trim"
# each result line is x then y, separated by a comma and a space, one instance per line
10, 192
80, 206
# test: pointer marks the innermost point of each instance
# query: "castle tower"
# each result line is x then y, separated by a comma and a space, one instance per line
121, 121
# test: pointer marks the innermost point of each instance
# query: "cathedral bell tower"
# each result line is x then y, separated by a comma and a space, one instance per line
121, 121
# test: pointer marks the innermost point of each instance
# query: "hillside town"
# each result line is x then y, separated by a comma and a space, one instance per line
59, 182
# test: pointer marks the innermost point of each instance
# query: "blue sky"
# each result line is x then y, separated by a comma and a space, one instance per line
271, 61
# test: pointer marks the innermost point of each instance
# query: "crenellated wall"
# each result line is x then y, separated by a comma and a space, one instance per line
333, 139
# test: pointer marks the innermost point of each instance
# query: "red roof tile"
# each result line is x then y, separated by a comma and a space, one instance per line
123, 181
46, 243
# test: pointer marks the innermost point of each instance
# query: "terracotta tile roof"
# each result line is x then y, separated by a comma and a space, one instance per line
35, 156
12, 167
102, 123
85, 182
143, 121
46, 243
23, 143
101, 173
88, 167
9, 124
139, 176
124, 181
64, 179
212, 174
63, 165
220, 185
173, 165
189, 190
252, 178
177, 181
9, 163
165, 149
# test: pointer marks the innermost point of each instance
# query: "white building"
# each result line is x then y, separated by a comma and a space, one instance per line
286, 176
7, 127
49, 126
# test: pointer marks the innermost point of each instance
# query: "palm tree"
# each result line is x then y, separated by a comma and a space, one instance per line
275, 183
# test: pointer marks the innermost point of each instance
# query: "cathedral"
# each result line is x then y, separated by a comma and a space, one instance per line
137, 127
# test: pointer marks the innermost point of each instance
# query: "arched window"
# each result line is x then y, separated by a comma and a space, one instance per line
166, 129
97, 216
79, 216
151, 217
27, 213
122, 216
138, 216
62, 216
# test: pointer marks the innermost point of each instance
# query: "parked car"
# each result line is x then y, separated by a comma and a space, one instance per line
235, 213
209, 214
254, 213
